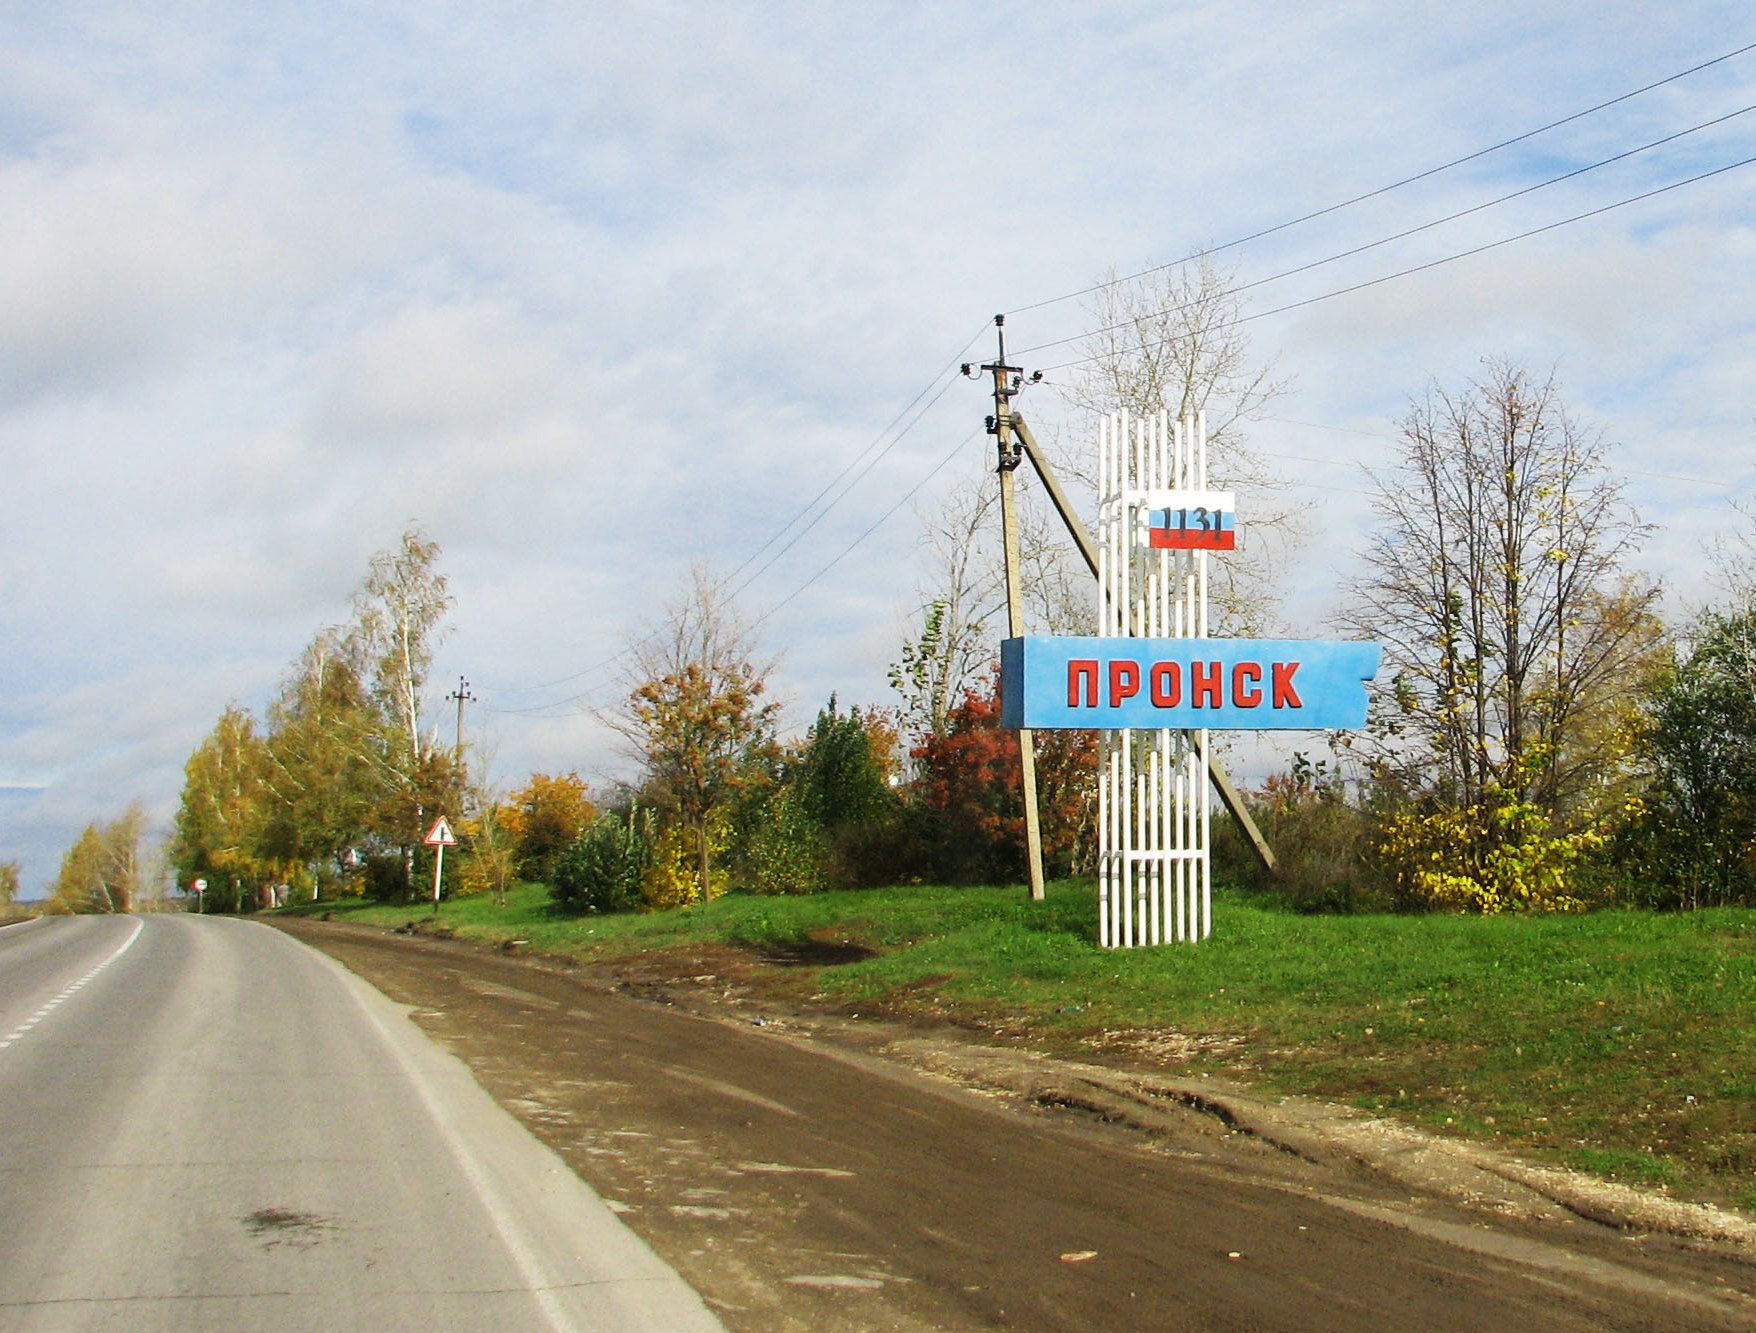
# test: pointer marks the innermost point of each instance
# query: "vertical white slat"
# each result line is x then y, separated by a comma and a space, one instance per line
1206, 862
1143, 837
1203, 815
1103, 773
1155, 562
1125, 787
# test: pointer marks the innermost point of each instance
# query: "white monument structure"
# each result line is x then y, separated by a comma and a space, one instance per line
1157, 525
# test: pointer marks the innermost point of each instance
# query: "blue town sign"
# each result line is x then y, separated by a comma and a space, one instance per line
1050, 683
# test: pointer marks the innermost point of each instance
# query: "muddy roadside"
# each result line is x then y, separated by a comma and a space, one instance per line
520, 1021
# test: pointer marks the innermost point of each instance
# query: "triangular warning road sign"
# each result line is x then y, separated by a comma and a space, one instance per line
440, 835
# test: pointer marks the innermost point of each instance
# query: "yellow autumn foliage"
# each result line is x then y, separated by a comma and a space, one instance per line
1502, 855
674, 877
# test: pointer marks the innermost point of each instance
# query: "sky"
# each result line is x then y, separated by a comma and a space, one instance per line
594, 294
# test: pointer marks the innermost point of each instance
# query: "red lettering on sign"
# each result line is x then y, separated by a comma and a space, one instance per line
1285, 696
1124, 681
1247, 695
1167, 685
1205, 685
1082, 671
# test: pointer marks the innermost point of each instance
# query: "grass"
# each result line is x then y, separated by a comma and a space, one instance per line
1618, 1042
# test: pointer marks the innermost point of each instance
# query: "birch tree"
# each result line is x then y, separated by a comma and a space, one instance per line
963, 590
399, 619
399, 615
1495, 581
1171, 340
227, 808
106, 869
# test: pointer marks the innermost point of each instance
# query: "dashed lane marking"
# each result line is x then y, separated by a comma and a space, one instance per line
70, 990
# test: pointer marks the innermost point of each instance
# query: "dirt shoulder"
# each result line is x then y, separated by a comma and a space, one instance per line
692, 1125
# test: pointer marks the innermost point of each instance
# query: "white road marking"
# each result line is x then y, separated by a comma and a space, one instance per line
71, 989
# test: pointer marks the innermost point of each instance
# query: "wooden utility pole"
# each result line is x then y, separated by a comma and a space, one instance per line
1007, 380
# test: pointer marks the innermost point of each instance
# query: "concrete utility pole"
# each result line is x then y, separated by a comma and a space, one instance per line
463, 696
1007, 381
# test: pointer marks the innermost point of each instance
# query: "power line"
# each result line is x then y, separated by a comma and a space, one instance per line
1295, 305
854, 481
1716, 482
1507, 143
1446, 259
1407, 232
946, 373
882, 519
1386, 189
542, 710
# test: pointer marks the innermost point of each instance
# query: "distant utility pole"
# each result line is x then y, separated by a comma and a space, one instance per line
1008, 380
463, 696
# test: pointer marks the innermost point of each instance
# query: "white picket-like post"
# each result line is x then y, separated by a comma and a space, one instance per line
1154, 811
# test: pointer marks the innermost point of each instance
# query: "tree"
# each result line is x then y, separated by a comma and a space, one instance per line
967, 792
326, 765
79, 887
9, 877
964, 588
840, 773
490, 853
399, 614
604, 869
1510, 633
544, 818
1495, 584
1695, 844
1170, 339
105, 869
696, 717
831, 817
342, 763
226, 811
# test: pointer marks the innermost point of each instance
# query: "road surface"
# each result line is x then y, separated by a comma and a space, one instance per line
206, 1125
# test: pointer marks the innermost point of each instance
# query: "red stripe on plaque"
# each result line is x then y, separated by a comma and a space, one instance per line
1193, 539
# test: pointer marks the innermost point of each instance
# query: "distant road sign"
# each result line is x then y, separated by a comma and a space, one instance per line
440, 835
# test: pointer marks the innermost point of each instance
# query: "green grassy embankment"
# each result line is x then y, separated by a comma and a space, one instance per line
1618, 1042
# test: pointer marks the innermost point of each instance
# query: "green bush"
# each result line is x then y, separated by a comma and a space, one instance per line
386, 877
784, 850
1322, 844
602, 870
1691, 843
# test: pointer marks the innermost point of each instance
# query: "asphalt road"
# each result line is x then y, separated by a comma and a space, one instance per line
206, 1125
802, 1183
